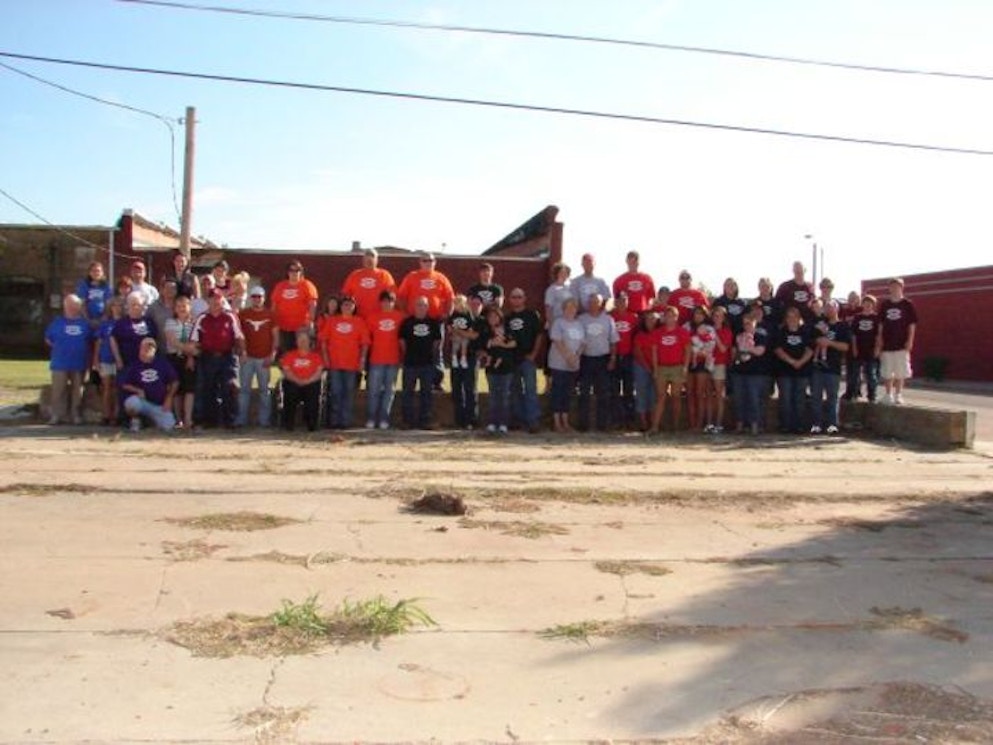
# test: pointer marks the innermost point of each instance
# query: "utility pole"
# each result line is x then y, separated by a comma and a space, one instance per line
184, 228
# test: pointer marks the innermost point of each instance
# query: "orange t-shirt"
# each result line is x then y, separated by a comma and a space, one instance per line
430, 284
344, 337
384, 329
301, 366
292, 302
365, 285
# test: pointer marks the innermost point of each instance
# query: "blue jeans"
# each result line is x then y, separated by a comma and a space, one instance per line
342, 394
138, 406
644, 389
499, 409
859, 370
418, 378
254, 368
524, 394
380, 392
594, 378
563, 384
465, 401
215, 401
792, 397
824, 386
750, 395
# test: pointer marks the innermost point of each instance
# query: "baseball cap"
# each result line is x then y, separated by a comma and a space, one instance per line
258, 290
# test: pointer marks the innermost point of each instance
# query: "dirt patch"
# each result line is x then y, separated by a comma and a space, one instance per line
272, 724
437, 503
233, 521
190, 550
915, 620
623, 568
872, 526
518, 528
275, 557
514, 505
46, 490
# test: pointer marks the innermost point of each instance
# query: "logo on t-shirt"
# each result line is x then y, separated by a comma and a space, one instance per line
801, 296
486, 296
735, 310
301, 363
686, 301
151, 375
73, 330
794, 340
866, 325
575, 334
343, 327
460, 323
516, 324
367, 283
256, 325
422, 330
387, 324
623, 327
635, 285
290, 293
669, 340
140, 328
893, 314
595, 330
428, 284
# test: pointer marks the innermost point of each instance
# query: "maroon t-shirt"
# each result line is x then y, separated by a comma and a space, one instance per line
797, 295
865, 328
896, 318
217, 334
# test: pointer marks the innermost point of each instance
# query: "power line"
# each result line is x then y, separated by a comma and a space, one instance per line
134, 109
505, 105
549, 35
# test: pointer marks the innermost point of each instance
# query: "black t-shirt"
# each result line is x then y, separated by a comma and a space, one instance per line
794, 344
793, 294
488, 293
736, 308
501, 359
772, 311
752, 364
865, 329
838, 331
525, 327
419, 336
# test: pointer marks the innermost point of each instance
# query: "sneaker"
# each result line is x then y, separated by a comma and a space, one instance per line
815, 430
886, 400
384, 425
503, 429
53, 421
135, 425
464, 363
708, 429
898, 399
491, 428
455, 361
370, 424
717, 429
832, 430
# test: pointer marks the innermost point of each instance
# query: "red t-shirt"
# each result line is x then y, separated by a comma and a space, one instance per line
672, 345
292, 302
301, 366
642, 344
344, 337
365, 285
726, 337
686, 300
384, 331
257, 325
626, 323
639, 288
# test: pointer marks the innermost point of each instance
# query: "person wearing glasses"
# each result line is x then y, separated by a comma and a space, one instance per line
294, 303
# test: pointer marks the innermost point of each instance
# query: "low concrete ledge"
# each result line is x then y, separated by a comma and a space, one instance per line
936, 428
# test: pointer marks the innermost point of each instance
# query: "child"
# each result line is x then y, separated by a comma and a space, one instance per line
459, 322
103, 360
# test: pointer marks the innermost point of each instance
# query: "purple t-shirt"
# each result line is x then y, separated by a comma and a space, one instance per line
128, 333
896, 319
152, 377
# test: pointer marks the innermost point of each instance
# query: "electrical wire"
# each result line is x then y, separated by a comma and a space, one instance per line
169, 124
505, 105
548, 35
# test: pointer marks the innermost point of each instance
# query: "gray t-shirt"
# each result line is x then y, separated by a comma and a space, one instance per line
555, 296
571, 335
583, 287
600, 332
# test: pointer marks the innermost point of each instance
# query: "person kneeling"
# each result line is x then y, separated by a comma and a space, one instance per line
149, 386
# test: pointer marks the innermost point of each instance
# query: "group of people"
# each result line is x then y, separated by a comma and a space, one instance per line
188, 352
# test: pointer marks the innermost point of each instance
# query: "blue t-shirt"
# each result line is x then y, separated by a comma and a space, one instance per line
95, 296
153, 378
106, 354
70, 340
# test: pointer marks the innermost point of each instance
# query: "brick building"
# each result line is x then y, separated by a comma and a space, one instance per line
953, 324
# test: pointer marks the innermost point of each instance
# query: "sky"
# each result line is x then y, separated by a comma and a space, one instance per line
305, 170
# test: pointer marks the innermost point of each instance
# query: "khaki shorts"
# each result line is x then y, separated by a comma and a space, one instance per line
895, 365
720, 372
670, 374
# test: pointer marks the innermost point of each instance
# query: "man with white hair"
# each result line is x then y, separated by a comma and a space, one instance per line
68, 337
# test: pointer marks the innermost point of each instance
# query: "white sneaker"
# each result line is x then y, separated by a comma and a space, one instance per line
464, 364
886, 399
384, 425
898, 399
832, 430
135, 424
503, 429
370, 424
491, 428
815, 430
53, 421
455, 362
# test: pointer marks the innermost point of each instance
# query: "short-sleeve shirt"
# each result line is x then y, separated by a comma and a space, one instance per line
736, 308
639, 288
384, 337
642, 343
686, 300
95, 296
838, 331
525, 327
772, 310
344, 337
555, 297
626, 323
672, 344
865, 330
257, 325
489, 294
70, 340
749, 363
583, 288
177, 330
292, 303
302, 366
128, 334
419, 336
601, 332
793, 294
571, 334
154, 378
896, 318
427, 283
217, 334
365, 285
795, 344
726, 337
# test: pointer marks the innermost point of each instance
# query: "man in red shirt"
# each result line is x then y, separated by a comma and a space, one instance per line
367, 284
638, 286
294, 302
622, 376
670, 363
258, 324
685, 297
217, 334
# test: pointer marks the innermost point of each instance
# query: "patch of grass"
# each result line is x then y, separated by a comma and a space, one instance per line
190, 550
297, 628
519, 528
580, 631
21, 381
233, 521
276, 557
623, 568
46, 490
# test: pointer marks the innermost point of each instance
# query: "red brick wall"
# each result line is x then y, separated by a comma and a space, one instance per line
954, 321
